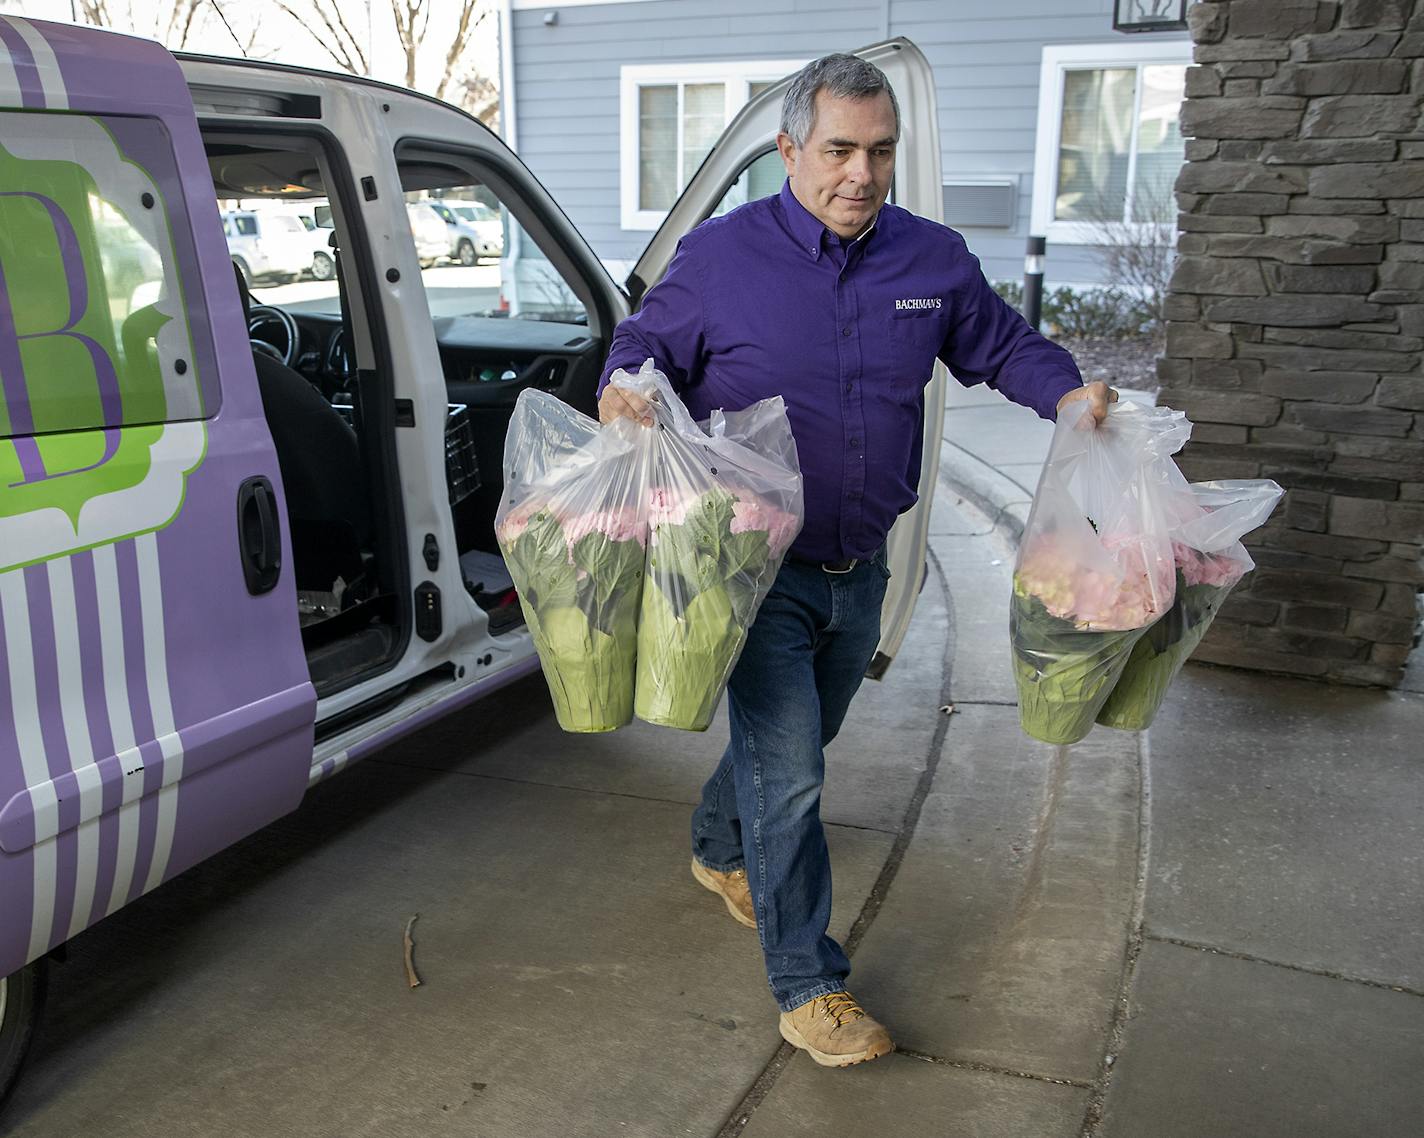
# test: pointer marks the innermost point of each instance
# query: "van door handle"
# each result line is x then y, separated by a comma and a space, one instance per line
258, 536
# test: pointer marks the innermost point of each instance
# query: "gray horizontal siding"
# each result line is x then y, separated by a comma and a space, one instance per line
985, 53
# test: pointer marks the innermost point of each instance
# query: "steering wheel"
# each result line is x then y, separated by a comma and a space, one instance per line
268, 314
339, 367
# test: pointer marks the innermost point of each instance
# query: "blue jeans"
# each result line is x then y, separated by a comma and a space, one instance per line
804, 659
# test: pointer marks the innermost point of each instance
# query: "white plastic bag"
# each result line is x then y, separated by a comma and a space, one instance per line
1095, 567
1210, 561
725, 503
572, 526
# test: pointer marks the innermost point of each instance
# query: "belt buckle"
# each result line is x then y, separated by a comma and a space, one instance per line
834, 566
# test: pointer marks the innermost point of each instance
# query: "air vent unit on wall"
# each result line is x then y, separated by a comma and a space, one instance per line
981, 203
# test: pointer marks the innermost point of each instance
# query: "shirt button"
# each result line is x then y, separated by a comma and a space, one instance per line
850, 387
845, 331
855, 442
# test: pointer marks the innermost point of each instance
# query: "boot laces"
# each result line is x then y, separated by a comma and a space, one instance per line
841, 1006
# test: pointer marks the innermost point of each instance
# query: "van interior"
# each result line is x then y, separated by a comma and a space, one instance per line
324, 370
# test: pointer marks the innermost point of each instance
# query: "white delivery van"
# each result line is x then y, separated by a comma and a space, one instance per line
243, 546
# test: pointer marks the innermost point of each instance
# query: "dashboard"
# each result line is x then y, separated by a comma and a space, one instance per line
487, 361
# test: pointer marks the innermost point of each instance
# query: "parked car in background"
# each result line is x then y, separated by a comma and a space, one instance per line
267, 246
475, 230
432, 244
323, 256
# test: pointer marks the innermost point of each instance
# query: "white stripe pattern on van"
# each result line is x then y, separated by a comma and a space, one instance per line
56, 98
155, 660
90, 849
116, 697
19, 655
327, 767
77, 741
10, 95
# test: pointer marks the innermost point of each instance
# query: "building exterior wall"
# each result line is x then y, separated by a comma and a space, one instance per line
986, 55
1296, 327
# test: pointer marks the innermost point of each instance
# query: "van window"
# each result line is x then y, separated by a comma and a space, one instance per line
245, 225
94, 250
493, 265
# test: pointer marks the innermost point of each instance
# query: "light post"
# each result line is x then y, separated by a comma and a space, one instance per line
1033, 281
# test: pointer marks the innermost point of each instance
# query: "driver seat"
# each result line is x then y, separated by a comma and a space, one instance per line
322, 475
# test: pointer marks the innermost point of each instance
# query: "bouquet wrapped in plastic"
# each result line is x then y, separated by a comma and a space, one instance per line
1210, 561
1095, 567
725, 503
572, 525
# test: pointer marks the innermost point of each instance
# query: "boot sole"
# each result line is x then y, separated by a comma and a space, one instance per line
825, 1059
707, 881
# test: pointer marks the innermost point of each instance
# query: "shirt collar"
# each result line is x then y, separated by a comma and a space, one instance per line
806, 230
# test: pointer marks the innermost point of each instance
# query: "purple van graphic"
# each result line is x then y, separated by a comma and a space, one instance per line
100, 398
153, 710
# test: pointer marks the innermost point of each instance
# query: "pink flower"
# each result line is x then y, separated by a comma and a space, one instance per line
755, 515
1131, 597
616, 525
749, 516
517, 521
666, 507
1220, 570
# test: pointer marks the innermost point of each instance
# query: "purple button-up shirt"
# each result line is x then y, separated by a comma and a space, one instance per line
766, 301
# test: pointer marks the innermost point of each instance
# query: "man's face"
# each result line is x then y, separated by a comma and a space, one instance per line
842, 175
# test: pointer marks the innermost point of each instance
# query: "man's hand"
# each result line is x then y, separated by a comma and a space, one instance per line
616, 403
1098, 393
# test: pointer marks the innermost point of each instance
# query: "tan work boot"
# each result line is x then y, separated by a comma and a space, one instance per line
835, 1031
732, 888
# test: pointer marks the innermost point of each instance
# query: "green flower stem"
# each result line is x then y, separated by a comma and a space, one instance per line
1064, 674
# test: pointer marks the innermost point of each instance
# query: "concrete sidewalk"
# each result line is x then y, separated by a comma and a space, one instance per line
1214, 931
1274, 972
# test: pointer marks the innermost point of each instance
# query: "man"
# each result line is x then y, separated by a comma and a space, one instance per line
838, 303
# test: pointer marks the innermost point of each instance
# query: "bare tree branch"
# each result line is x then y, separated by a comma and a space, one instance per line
1137, 255
479, 95
412, 19
96, 12
472, 15
343, 47
180, 24
249, 49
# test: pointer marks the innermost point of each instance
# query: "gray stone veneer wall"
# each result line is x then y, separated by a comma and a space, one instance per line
1296, 320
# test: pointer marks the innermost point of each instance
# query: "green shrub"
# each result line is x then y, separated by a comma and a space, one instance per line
1011, 291
1086, 314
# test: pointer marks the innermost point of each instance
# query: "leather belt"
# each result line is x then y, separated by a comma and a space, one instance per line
845, 565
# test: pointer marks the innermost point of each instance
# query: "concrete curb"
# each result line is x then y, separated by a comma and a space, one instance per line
1000, 499
991, 492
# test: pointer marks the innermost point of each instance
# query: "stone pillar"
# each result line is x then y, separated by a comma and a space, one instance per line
1296, 320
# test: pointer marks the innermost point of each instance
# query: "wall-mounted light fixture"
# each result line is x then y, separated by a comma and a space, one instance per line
551, 18
1150, 15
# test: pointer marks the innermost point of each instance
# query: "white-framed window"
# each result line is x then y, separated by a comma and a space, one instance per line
1108, 146
671, 115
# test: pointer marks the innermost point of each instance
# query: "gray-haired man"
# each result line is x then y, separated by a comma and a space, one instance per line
840, 304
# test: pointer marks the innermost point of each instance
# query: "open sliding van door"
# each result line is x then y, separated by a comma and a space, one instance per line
155, 705
744, 164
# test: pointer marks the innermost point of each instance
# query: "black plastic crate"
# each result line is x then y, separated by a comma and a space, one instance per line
462, 467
